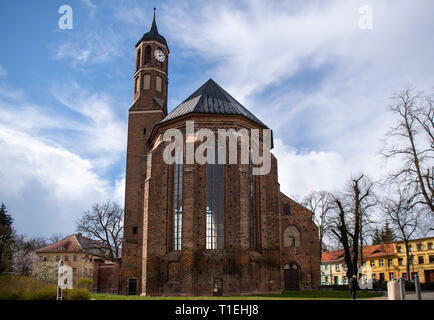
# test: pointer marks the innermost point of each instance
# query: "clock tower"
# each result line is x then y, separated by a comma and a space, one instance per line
149, 107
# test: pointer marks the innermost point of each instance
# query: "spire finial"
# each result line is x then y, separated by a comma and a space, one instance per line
154, 24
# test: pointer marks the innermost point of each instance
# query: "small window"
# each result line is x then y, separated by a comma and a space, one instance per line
40, 258
398, 249
138, 60
147, 81
420, 260
75, 258
144, 131
148, 55
287, 209
390, 262
66, 258
57, 258
74, 270
136, 82
337, 267
391, 276
400, 261
372, 263
292, 241
429, 245
45, 258
431, 259
159, 84
419, 247
410, 248
134, 230
380, 262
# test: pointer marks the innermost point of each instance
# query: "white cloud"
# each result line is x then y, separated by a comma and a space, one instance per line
3, 72
332, 128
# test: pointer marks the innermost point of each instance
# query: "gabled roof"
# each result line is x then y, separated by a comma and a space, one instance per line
379, 250
153, 34
210, 98
69, 244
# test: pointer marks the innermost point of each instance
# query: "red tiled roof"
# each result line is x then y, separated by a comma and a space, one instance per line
69, 244
378, 250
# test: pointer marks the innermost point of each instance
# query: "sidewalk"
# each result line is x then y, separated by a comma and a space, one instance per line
410, 295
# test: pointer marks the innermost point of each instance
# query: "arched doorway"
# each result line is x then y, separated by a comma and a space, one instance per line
291, 276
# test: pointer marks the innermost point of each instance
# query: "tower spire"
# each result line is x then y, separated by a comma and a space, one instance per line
154, 28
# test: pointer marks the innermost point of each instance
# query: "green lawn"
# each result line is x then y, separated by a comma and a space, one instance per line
286, 295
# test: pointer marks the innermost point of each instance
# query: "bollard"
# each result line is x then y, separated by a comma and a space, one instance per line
402, 288
393, 290
417, 287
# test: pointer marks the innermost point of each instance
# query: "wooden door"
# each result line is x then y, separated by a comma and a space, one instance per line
217, 287
132, 286
291, 279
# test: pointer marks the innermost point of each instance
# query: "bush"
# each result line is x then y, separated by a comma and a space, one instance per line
25, 288
85, 283
76, 294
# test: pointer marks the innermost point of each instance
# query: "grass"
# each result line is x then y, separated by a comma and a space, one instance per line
286, 295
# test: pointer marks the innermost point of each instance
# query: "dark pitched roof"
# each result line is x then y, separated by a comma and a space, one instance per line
210, 98
153, 34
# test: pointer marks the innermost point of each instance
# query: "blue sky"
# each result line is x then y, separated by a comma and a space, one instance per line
305, 68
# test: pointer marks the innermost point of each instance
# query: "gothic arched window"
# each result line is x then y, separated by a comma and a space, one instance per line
177, 206
147, 55
291, 237
215, 204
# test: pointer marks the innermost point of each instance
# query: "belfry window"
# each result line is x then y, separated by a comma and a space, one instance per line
147, 81
177, 206
138, 60
215, 204
158, 83
147, 55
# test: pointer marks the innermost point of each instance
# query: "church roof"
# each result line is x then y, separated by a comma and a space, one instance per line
210, 98
153, 34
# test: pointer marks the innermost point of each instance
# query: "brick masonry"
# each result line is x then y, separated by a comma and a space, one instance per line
241, 269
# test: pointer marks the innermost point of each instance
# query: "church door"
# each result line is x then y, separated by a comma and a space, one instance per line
132, 286
291, 279
217, 287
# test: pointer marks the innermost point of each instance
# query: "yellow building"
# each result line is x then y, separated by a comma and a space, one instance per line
384, 262
71, 251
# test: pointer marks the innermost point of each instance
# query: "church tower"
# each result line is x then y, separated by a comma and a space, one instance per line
148, 108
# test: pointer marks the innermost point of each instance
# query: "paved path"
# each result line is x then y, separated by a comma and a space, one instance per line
410, 295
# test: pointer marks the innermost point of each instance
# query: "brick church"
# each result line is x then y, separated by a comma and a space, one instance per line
204, 229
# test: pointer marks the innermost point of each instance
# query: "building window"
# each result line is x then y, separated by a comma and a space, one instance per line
57, 258
429, 245
74, 270
138, 60
344, 266
253, 224
147, 55
66, 258
420, 260
214, 203
337, 267
147, 81
286, 209
291, 237
391, 276
45, 259
410, 248
398, 249
134, 230
159, 83
419, 247
136, 81
390, 262
372, 263
177, 204
380, 262
75, 258
431, 259
374, 277
400, 261
40, 258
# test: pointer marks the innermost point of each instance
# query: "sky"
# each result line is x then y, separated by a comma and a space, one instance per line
319, 73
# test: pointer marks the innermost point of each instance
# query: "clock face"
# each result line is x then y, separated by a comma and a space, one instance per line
159, 55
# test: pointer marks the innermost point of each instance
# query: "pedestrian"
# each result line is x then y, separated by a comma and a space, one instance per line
353, 286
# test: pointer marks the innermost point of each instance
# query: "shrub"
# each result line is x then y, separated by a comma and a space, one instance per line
76, 294
85, 283
25, 288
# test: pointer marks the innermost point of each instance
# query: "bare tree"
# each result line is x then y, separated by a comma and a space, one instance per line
406, 217
351, 215
320, 203
104, 225
23, 254
55, 237
412, 141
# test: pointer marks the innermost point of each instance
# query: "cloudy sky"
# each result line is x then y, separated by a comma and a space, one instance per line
305, 68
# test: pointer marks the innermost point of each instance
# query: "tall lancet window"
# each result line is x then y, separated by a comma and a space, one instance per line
253, 230
177, 205
215, 204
